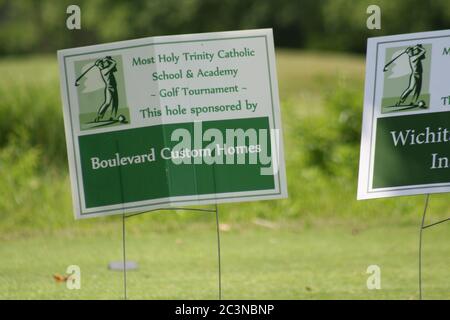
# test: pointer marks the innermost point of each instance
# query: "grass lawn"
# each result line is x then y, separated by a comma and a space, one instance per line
287, 262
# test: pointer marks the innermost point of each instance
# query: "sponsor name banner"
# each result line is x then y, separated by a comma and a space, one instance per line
168, 121
406, 121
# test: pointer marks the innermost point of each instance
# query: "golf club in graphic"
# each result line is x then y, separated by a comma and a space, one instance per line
392, 60
83, 74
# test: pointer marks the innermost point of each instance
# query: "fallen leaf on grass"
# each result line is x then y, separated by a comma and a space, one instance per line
60, 278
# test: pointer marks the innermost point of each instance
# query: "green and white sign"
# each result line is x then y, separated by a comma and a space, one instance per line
169, 121
406, 121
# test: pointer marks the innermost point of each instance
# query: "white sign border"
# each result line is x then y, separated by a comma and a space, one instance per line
280, 190
368, 131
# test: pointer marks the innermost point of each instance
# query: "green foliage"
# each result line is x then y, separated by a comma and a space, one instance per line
19, 163
344, 21
30, 102
30, 195
332, 139
39, 25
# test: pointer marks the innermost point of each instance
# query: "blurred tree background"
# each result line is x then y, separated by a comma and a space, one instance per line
28, 26
321, 94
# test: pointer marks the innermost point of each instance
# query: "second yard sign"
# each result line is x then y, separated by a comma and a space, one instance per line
405, 145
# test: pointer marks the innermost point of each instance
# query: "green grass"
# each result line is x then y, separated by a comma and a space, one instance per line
290, 262
323, 238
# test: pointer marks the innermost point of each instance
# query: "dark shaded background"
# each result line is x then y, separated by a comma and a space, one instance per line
31, 26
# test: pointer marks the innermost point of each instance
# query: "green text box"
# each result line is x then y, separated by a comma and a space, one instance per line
409, 164
162, 178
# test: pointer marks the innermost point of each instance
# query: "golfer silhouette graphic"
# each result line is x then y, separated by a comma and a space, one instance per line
415, 55
107, 66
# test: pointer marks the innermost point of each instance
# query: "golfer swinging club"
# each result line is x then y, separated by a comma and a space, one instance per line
107, 68
415, 55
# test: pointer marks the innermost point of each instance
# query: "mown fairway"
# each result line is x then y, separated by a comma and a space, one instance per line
320, 262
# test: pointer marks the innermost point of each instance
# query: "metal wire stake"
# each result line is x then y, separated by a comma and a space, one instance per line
420, 245
124, 248
124, 259
218, 252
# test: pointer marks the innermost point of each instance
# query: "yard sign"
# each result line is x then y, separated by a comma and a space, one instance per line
405, 145
177, 120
